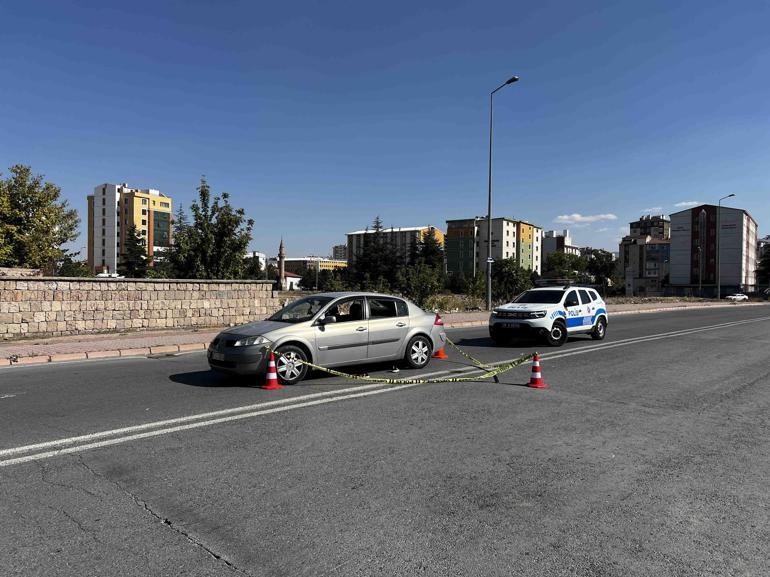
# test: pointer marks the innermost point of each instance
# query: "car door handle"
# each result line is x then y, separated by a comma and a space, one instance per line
400, 325
361, 329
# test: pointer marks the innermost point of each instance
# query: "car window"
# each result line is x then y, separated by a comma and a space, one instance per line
300, 310
585, 297
403, 308
382, 308
544, 297
572, 299
347, 311
594, 295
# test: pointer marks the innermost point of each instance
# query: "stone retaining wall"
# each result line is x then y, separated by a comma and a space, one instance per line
47, 307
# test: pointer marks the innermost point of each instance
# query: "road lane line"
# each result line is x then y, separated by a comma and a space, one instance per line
157, 433
213, 414
292, 404
632, 340
178, 420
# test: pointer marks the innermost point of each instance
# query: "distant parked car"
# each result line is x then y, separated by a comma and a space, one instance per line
331, 330
737, 297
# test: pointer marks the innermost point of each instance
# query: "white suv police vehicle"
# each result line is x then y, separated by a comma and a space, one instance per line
552, 313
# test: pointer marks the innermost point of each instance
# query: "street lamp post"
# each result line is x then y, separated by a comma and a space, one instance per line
511, 80
719, 233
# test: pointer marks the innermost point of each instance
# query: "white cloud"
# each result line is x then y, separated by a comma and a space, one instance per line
687, 203
652, 209
605, 229
579, 218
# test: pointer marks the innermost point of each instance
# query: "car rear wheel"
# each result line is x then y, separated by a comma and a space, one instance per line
418, 352
290, 364
600, 330
557, 336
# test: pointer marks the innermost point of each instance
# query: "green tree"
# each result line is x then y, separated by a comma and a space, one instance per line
376, 263
431, 251
6, 229
564, 266
34, 223
418, 281
252, 269
763, 270
68, 266
213, 245
309, 278
133, 256
600, 264
509, 279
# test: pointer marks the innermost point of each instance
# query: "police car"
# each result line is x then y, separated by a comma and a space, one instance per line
551, 313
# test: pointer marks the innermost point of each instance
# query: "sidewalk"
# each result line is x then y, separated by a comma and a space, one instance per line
81, 347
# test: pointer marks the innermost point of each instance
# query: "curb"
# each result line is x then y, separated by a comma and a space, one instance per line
191, 347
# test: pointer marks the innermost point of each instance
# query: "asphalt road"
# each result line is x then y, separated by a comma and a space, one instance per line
648, 454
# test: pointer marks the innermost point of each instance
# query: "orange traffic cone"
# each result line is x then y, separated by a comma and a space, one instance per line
272, 376
440, 354
536, 380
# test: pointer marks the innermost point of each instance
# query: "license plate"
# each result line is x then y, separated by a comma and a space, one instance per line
218, 356
511, 325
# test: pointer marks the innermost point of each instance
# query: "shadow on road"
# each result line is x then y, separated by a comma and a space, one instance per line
212, 379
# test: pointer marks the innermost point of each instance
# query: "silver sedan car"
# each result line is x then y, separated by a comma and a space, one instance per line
331, 330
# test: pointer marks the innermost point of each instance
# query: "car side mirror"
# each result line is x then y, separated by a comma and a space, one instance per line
327, 320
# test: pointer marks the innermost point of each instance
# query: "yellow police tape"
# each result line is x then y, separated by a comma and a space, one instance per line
474, 360
491, 372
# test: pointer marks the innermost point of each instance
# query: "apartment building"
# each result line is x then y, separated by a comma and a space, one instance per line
112, 210
644, 256
558, 241
400, 238
467, 240
694, 250
339, 252
302, 264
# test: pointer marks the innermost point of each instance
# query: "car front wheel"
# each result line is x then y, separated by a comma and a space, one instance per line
600, 330
290, 364
557, 336
418, 352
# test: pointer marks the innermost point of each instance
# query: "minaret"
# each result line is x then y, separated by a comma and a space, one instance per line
281, 266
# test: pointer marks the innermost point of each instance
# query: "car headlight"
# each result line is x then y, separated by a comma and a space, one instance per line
537, 314
493, 314
247, 342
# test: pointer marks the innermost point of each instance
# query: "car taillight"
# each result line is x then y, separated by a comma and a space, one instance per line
438, 320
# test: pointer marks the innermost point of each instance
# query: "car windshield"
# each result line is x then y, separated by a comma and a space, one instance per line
545, 297
301, 310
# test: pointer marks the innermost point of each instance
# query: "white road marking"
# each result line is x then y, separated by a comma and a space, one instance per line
283, 405
108, 442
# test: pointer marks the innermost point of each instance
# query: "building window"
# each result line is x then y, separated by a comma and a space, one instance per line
104, 211
144, 222
103, 254
144, 211
144, 202
104, 222
103, 241
103, 232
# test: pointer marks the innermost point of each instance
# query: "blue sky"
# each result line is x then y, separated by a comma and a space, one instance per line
318, 116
